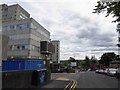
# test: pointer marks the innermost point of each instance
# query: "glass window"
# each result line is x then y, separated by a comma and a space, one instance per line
28, 25
25, 25
23, 47
18, 47
12, 27
19, 26
5, 27
26, 46
11, 47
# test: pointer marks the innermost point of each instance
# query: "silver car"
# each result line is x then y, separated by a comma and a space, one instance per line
111, 71
118, 73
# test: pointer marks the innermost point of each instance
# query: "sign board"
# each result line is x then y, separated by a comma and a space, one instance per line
73, 64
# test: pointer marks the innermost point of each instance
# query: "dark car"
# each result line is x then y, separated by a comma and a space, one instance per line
118, 73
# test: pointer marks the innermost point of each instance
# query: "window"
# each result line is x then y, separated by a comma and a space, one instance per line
11, 47
19, 26
23, 47
23, 26
5, 27
26, 46
18, 47
12, 27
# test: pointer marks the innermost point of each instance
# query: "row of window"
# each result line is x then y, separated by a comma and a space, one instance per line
23, 16
17, 26
24, 47
24, 26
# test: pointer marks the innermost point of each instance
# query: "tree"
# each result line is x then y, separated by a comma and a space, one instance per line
106, 58
71, 59
117, 57
82, 65
87, 61
110, 8
68, 62
93, 62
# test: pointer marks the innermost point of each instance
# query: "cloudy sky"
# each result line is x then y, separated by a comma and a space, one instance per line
80, 31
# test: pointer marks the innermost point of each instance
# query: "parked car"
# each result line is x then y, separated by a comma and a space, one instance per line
105, 71
111, 72
97, 70
118, 73
100, 71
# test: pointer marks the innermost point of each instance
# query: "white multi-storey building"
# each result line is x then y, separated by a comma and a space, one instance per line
56, 55
25, 34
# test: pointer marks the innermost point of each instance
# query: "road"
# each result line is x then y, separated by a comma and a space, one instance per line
94, 80
88, 79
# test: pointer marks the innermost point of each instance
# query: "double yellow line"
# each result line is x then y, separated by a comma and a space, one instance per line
72, 85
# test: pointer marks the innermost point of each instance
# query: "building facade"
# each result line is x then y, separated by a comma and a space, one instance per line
25, 34
13, 12
3, 47
56, 55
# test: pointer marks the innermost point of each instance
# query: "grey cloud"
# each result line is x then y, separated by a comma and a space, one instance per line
96, 38
106, 49
85, 30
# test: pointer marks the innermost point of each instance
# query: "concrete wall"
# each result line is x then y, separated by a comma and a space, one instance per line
3, 47
16, 79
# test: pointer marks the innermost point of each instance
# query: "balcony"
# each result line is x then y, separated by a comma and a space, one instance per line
46, 47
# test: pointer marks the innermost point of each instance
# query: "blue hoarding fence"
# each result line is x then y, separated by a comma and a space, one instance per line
10, 65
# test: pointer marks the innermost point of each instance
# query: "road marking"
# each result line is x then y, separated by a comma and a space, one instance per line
75, 85
71, 87
68, 85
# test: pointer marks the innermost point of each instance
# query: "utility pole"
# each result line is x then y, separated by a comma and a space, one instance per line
48, 73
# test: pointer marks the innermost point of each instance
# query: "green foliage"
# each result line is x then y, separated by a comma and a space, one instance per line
68, 62
106, 58
87, 61
93, 62
112, 8
82, 65
71, 59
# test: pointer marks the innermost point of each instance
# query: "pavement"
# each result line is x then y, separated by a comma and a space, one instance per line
57, 82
